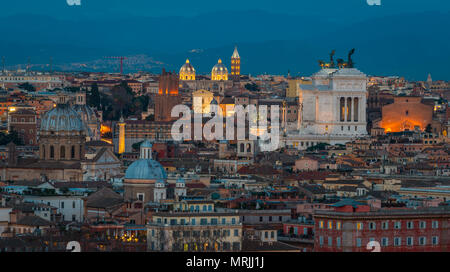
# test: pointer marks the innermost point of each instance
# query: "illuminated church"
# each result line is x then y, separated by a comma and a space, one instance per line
221, 78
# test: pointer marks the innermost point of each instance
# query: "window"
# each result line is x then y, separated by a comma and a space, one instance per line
52, 152
397, 241
435, 224
359, 226
330, 241
385, 225
233, 220
270, 218
73, 204
272, 234
423, 224
223, 221
422, 241
372, 226
338, 225
330, 224
72, 152
260, 219
435, 240
321, 240
62, 153
203, 221
410, 241
398, 225
338, 241
410, 224
321, 224
62, 204
358, 242
384, 241
140, 196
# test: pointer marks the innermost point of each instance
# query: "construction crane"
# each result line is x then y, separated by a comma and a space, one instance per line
121, 62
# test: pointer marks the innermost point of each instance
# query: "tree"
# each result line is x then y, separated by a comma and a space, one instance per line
252, 87
13, 136
93, 97
27, 86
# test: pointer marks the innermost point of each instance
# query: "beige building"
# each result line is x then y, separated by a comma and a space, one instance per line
192, 231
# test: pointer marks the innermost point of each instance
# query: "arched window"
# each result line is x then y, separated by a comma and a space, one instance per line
72, 152
62, 152
52, 152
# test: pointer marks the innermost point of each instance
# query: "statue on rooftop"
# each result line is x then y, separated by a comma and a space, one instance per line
350, 63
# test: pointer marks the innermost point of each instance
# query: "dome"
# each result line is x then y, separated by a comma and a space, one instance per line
62, 118
89, 117
146, 169
187, 71
219, 71
146, 144
87, 114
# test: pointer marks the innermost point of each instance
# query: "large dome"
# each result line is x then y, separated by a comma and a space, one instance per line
219, 71
62, 118
146, 169
187, 71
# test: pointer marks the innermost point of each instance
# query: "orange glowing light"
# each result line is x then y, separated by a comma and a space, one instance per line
105, 129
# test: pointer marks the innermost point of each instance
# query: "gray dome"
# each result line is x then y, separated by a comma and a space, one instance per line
86, 113
62, 118
146, 169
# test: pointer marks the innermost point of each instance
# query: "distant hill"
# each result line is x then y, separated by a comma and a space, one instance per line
410, 45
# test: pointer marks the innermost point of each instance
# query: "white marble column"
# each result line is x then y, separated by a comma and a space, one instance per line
345, 110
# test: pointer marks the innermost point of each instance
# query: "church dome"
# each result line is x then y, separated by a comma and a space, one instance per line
146, 169
187, 71
146, 144
62, 118
219, 71
86, 113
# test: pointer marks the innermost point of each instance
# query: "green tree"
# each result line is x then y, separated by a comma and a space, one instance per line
93, 97
10, 137
252, 87
27, 86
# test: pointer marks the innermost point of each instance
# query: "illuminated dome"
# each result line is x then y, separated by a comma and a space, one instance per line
147, 169
187, 71
219, 71
62, 118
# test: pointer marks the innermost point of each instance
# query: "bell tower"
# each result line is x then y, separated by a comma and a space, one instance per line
235, 65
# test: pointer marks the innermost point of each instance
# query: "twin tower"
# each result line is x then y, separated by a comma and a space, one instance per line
219, 71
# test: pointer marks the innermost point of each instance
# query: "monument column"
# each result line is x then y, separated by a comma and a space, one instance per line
345, 110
